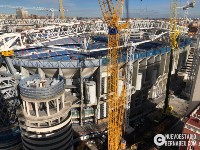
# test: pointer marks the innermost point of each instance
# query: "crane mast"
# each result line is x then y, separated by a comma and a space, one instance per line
116, 103
61, 9
174, 33
185, 8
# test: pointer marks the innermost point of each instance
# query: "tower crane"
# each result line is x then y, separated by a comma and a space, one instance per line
112, 12
186, 7
174, 33
52, 10
61, 9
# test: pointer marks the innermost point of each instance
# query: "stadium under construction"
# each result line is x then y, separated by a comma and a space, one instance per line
54, 88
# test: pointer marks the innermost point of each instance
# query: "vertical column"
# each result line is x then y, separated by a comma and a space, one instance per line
182, 60
167, 63
82, 97
162, 64
135, 72
143, 68
175, 60
57, 105
24, 106
99, 91
150, 67
27, 108
63, 101
36, 109
47, 104
135, 78
105, 84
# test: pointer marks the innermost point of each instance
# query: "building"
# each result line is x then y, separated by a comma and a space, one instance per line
193, 78
45, 117
6, 16
21, 13
192, 126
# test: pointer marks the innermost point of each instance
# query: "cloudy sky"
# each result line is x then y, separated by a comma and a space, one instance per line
90, 8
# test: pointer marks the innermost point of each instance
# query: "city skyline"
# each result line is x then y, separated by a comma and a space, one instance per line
137, 8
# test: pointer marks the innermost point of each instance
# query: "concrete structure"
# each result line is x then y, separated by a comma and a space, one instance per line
192, 73
81, 61
21, 13
77, 73
45, 117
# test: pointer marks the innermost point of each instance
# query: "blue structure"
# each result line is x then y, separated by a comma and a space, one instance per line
72, 58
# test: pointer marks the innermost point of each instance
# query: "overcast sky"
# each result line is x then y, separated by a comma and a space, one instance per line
90, 8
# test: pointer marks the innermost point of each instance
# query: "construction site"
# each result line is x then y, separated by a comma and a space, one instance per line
98, 83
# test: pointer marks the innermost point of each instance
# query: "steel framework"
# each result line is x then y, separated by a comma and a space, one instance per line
116, 103
9, 101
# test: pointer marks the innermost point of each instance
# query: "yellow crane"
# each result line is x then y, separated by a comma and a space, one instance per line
112, 12
61, 9
174, 33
